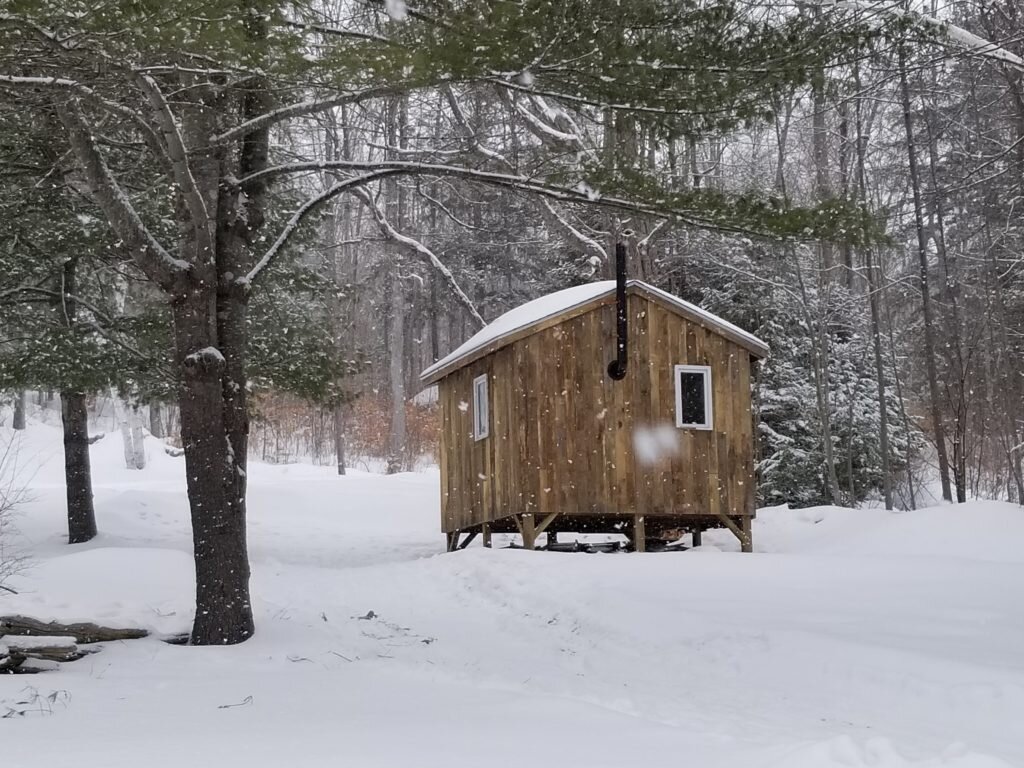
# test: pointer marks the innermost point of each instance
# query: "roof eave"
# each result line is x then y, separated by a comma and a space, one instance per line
752, 344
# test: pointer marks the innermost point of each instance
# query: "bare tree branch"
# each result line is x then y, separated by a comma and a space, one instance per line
418, 248
303, 211
588, 242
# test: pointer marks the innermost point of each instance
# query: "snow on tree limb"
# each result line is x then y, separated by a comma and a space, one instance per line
585, 239
957, 35
468, 134
180, 166
92, 97
303, 211
301, 109
548, 134
579, 194
149, 254
418, 248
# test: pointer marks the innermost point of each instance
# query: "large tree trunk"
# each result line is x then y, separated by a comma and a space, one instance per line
215, 447
211, 346
18, 422
77, 475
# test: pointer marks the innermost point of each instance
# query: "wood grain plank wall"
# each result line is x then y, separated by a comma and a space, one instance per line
562, 431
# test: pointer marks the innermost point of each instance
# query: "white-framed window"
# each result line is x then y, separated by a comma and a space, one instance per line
693, 396
481, 408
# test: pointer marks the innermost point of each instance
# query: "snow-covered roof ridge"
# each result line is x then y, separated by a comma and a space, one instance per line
539, 310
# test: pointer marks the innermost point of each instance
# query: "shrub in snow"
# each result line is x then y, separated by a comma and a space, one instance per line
12, 493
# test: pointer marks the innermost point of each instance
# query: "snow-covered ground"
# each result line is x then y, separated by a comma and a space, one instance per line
850, 638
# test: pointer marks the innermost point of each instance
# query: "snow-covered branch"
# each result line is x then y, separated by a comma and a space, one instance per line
301, 109
180, 166
468, 134
958, 36
303, 211
651, 236
90, 95
581, 194
588, 242
547, 133
149, 254
419, 249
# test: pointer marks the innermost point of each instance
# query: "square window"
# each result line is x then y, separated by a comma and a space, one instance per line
693, 396
481, 417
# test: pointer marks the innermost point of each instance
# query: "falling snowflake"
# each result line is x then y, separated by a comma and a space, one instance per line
396, 9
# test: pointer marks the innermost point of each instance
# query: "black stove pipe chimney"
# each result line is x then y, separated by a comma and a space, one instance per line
617, 367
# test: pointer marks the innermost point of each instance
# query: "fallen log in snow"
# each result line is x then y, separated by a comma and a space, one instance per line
47, 647
81, 632
9, 662
24, 654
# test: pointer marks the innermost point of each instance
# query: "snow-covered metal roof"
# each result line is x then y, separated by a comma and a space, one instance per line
517, 322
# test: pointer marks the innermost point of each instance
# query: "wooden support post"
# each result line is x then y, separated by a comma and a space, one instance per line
451, 541
529, 532
697, 533
486, 534
468, 540
741, 533
639, 534
545, 523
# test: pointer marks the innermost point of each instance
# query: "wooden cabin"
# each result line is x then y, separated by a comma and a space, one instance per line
537, 436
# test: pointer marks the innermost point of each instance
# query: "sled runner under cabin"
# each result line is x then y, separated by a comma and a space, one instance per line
541, 434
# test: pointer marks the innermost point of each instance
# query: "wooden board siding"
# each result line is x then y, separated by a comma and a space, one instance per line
562, 431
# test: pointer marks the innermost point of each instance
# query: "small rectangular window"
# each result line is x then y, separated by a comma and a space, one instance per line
481, 417
693, 396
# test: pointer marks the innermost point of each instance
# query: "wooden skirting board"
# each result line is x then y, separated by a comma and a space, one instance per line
637, 527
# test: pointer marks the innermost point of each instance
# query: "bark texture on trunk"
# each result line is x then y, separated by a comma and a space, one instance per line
138, 439
397, 376
156, 419
210, 330
77, 476
215, 470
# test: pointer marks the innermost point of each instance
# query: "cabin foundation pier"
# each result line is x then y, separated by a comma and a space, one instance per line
639, 534
529, 531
